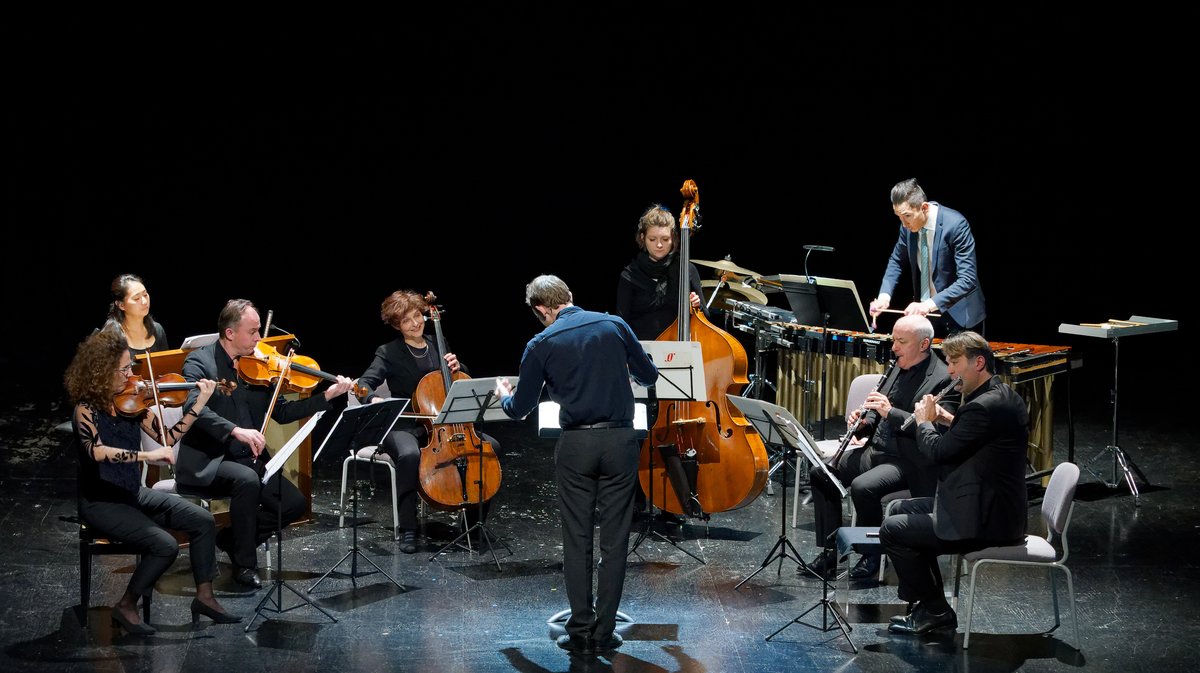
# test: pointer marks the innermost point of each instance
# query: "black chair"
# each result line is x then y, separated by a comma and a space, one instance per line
92, 545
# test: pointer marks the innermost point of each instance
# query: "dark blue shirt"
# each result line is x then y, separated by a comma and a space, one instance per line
585, 360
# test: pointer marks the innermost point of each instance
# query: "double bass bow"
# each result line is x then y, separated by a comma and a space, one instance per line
458, 468
713, 460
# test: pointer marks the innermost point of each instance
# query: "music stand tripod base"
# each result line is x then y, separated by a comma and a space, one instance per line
364, 425
278, 585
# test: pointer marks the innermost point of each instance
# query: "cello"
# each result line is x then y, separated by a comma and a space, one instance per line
458, 468
712, 459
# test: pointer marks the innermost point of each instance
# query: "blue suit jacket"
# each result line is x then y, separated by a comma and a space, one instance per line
955, 273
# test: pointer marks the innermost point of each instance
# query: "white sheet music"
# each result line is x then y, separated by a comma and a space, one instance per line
281, 456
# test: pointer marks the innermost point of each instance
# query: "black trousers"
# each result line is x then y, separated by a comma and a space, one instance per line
908, 538
255, 508
596, 473
870, 475
145, 522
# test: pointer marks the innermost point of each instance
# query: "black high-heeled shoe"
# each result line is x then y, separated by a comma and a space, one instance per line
132, 629
217, 616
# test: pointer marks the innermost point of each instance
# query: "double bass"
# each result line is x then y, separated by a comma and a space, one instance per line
709, 457
458, 468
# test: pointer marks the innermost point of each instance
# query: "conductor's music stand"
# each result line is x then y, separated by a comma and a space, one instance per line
1114, 329
474, 401
276, 590
680, 377
364, 425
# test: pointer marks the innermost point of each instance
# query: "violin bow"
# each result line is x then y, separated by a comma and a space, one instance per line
162, 429
287, 364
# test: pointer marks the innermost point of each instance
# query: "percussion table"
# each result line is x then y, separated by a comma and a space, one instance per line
1114, 329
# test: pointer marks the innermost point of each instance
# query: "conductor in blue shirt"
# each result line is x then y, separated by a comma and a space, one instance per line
585, 361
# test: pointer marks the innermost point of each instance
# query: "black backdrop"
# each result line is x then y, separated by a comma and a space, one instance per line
316, 166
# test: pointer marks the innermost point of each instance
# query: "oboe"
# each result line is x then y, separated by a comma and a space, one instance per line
945, 391
862, 412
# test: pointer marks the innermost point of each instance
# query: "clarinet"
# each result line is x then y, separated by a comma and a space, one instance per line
945, 391
862, 412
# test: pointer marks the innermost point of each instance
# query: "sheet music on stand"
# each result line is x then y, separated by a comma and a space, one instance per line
777, 426
466, 398
362, 416
680, 371
285, 452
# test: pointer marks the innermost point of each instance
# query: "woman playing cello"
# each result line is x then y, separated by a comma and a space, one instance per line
401, 364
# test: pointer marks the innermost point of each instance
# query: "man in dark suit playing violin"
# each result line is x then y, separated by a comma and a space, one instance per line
884, 460
980, 501
224, 453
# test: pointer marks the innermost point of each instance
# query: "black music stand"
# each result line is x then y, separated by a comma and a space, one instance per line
832, 303
278, 585
682, 379
777, 424
474, 401
364, 425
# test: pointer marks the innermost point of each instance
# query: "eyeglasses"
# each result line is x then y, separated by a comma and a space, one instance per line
126, 370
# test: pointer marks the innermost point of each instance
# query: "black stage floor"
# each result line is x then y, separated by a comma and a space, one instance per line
1135, 582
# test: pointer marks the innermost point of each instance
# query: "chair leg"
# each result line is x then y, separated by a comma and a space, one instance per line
1074, 613
1053, 596
85, 581
796, 500
971, 603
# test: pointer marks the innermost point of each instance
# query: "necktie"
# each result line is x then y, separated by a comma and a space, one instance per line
923, 264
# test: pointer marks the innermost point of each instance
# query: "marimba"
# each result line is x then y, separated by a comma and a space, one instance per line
1029, 368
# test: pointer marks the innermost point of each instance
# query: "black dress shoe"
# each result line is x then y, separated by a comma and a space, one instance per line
921, 621
866, 568
247, 577
217, 616
574, 644
609, 644
131, 628
908, 610
408, 541
825, 564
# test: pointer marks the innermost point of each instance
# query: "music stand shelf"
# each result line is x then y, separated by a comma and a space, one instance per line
1113, 329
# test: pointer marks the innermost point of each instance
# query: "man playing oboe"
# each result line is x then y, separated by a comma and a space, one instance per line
882, 458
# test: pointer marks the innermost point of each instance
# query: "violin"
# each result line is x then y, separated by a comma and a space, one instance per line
458, 468
138, 394
266, 364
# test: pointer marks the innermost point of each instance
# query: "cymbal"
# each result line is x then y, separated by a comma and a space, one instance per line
749, 293
726, 265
